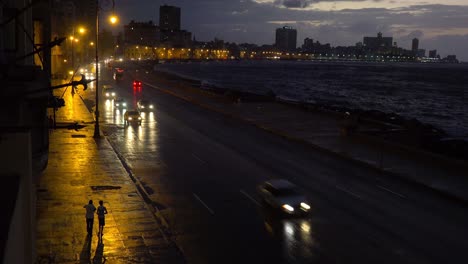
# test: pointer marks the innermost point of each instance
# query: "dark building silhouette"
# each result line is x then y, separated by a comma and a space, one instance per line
141, 33
169, 24
169, 18
308, 44
415, 45
421, 53
286, 38
433, 54
375, 43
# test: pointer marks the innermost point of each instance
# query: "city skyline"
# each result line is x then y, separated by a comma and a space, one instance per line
437, 26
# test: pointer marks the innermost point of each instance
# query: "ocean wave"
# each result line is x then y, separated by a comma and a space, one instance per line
411, 90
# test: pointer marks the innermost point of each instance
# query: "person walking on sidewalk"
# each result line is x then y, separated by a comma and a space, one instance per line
89, 216
101, 212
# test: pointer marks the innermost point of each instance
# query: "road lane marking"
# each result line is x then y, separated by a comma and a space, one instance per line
204, 204
348, 192
250, 197
199, 159
390, 191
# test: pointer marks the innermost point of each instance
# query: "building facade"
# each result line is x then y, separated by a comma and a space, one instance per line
286, 38
169, 23
169, 18
375, 43
415, 45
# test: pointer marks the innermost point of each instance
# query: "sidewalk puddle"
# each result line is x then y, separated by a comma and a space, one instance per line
104, 187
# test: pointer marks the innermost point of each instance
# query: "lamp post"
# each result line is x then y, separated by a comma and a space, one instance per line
113, 20
96, 126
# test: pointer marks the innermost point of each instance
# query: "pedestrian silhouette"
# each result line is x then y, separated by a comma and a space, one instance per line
101, 212
89, 216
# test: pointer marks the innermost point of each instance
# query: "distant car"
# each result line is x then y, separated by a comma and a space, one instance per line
284, 196
120, 103
118, 74
109, 92
132, 117
137, 85
145, 105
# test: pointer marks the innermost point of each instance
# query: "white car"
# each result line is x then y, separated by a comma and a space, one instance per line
284, 196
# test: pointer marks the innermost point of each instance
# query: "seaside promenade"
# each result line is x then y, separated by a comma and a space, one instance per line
323, 131
83, 168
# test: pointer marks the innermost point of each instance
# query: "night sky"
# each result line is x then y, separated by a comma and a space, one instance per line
439, 24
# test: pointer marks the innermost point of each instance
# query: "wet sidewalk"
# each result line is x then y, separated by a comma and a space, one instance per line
323, 131
82, 168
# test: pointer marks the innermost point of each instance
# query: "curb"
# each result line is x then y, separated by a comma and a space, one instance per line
165, 231
400, 176
156, 212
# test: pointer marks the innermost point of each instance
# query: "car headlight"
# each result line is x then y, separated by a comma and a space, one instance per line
288, 208
305, 206
151, 106
107, 94
129, 118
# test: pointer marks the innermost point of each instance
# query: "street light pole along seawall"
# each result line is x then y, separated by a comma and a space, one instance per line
113, 20
96, 125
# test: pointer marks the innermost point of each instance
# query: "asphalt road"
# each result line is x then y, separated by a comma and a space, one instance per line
202, 170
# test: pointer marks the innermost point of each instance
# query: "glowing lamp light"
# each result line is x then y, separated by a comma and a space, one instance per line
113, 19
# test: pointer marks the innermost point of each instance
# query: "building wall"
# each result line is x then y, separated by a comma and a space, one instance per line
20, 243
23, 130
415, 45
169, 18
286, 39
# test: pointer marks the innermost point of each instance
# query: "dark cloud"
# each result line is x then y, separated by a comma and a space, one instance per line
294, 3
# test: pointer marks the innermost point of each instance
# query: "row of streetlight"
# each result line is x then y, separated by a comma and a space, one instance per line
113, 20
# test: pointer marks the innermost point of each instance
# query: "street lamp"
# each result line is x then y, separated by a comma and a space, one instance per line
113, 20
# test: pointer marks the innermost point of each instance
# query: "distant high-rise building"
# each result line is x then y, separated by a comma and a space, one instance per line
421, 53
375, 43
308, 44
169, 24
286, 39
415, 45
169, 18
433, 53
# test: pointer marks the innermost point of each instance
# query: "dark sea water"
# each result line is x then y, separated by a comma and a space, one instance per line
435, 94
